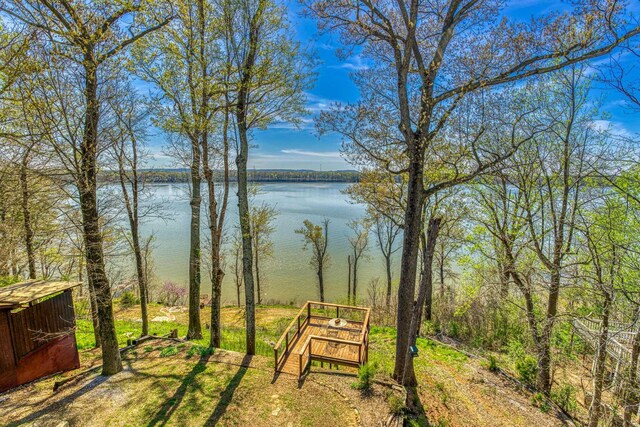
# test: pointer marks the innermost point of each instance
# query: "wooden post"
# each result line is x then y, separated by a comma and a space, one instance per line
300, 366
337, 311
287, 341
298, 325
275, 352
308, 311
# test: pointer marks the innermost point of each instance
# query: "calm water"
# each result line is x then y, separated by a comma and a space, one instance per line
287, 275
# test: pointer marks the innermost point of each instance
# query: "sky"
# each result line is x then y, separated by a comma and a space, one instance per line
284, 146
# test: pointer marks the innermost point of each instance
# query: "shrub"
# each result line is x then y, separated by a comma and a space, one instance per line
200, 350
128, 299
168, 351
565, 397
396, 404
493, 363
366, 373
527, 368
539, 400
173, 294
8, 280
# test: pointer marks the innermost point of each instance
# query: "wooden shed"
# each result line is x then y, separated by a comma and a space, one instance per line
37, 331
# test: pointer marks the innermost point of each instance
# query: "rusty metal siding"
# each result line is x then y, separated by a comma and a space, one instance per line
35, 326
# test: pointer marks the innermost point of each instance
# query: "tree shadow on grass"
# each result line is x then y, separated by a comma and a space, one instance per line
170, 405
62, 403
415, 410
227, 395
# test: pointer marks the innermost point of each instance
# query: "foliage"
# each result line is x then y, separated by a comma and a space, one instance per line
200, 350
525, 365
128, 299
169, 351
565, 397
527, 368
8, 280
173, 294
540, 400
492, 363
366, 374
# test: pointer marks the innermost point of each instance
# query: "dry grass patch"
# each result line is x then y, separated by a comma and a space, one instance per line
158, 387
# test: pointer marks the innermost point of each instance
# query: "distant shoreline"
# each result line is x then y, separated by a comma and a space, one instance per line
169, 176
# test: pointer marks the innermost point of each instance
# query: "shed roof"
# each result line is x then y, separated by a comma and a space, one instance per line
23, 293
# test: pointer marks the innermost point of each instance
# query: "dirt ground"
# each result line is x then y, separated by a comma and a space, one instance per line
225, 388
471, 395
228, 389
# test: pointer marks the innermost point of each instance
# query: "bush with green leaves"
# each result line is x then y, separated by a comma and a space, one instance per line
525, 365
527, 368
128, 299
540, 400
492, 363
200, 350
396, 403
565, 397
169, 351
366, 373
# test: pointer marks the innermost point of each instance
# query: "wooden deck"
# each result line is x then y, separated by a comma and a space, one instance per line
310, 337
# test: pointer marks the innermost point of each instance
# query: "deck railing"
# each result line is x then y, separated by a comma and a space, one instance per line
306, 354
298, 323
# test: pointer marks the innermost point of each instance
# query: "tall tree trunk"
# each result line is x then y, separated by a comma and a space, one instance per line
96, 272
195, 328
131, 204
427, 276
242, 112
544, 349
355, 278
216, 227
245, 229
321, 281
441, 271
387, 261
632, 397
601, 359
93, 306
349, 280
257, 265
409, 377
26, 214
409, 261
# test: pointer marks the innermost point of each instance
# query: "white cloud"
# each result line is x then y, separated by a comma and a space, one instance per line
614, 128
328, 154
355, 62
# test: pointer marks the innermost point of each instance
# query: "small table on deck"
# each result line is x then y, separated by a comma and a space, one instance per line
337, 322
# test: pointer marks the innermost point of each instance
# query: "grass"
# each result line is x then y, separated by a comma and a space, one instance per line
221, 388
382, 351
233, 334
174, 383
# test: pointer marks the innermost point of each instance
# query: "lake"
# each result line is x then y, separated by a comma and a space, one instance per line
287, 276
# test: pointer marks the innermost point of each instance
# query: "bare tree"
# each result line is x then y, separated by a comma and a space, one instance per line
128, 135
262, 227
317, 236
386, 232
359, 242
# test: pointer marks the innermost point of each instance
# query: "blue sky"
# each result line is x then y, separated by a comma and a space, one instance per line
283, 146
